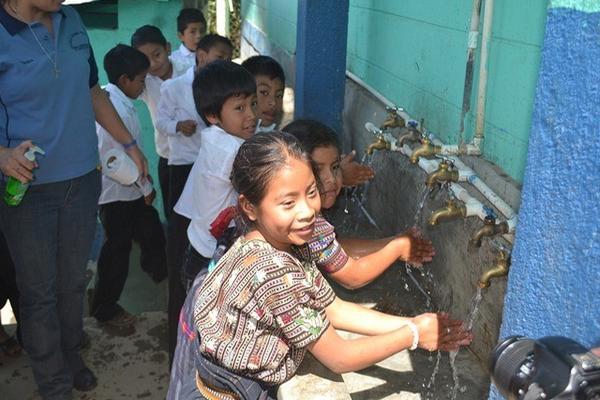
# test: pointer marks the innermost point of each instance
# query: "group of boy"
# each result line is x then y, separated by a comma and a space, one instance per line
202, 107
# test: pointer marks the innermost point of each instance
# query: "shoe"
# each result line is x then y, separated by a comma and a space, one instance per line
123, 319
11, 347
85, 380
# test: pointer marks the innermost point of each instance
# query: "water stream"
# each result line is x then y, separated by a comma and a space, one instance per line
475, 302
435, 370
423, 196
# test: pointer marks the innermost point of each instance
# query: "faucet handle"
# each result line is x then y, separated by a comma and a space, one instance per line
393, 109
446, 160
490, 213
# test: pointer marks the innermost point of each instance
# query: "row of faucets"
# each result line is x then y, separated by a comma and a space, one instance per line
445, 173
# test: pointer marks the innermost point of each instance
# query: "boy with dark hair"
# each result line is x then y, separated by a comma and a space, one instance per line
126, 212
270, 85
191, 27
149, 40
224, 96
178, 118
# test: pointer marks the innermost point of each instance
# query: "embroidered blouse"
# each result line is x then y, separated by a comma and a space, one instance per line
259, 309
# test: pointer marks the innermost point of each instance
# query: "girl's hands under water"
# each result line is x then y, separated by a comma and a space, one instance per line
414, 249
440, 332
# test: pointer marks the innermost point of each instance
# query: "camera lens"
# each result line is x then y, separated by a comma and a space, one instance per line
511, 366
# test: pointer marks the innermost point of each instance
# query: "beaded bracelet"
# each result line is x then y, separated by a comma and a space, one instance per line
129, 145
415, 333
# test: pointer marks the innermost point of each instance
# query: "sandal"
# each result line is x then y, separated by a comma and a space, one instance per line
11, 347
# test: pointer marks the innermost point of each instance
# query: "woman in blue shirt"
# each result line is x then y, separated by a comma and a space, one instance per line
49, 96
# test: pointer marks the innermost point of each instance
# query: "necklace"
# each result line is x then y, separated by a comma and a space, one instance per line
53, 61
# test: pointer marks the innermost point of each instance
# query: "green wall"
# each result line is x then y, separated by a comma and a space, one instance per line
275, 18
414, 53
132, 14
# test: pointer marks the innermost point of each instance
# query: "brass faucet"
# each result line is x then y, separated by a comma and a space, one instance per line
425, 150
393, 120
379, 144
489, 229
499, 269
444, 173
408, 133
453, 209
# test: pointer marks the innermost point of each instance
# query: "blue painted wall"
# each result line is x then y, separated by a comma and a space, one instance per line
554, 282
321, 61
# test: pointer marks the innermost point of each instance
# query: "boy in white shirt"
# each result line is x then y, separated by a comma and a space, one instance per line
191, 27
126, 212
178, 118
225, 97
149, 40
270, 84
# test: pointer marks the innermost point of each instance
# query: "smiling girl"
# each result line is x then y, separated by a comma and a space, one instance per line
266, 304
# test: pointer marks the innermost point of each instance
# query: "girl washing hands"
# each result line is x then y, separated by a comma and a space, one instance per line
266, 304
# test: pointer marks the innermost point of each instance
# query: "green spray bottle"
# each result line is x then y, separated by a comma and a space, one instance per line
15, 189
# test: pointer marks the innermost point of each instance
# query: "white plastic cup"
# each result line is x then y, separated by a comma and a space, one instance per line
120, 167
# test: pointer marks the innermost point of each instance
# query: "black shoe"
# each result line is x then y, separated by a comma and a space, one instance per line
84, 380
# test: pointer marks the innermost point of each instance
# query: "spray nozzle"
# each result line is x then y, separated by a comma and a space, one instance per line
30, 154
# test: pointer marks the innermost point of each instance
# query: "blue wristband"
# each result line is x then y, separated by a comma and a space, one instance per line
129, 145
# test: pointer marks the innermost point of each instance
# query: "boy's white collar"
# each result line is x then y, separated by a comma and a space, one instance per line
114, 90
185, 50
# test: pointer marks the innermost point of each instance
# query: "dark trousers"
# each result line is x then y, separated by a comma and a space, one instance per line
50, 236
177, 243
8, 282
193, 263
163, 181
124, 222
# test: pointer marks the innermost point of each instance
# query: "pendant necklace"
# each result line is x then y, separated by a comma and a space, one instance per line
53, 61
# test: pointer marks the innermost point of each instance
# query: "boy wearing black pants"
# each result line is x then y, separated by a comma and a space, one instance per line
126, 211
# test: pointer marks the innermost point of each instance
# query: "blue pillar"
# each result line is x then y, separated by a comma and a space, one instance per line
554, 282
321, 60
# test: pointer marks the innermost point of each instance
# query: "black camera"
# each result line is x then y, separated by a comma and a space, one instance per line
548, 368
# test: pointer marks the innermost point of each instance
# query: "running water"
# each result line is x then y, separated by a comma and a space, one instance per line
412, 278
423, 197
475, 302
435, 370
452, 357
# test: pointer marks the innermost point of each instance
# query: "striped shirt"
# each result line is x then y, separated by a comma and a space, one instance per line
325, 250
259, 309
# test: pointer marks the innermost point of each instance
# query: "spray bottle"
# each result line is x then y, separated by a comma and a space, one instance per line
15, 189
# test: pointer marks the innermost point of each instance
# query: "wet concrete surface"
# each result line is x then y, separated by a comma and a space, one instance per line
127, 367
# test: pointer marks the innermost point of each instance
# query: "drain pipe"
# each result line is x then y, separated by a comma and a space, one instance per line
483, 72
471, 47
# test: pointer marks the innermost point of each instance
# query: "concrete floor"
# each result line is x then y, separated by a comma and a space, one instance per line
127, 367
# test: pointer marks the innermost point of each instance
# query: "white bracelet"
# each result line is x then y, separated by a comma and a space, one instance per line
415, 333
